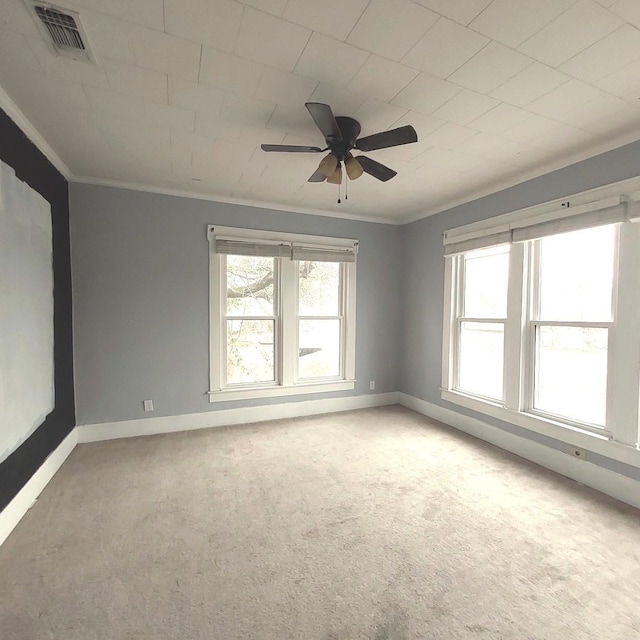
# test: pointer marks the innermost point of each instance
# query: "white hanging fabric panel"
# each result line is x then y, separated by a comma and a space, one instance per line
27, 391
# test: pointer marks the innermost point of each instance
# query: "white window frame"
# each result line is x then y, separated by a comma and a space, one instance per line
341, 317
459, 319
619, 439
533, 323
276, 318
286, 319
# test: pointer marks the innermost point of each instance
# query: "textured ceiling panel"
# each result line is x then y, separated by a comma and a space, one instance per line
183, 92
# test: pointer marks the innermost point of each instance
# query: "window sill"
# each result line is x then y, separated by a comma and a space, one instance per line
596, 442
248, 393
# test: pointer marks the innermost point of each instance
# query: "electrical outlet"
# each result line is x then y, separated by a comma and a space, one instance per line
148, 405
372, 385
578, 453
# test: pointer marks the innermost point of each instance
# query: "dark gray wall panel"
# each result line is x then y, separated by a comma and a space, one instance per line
32, 167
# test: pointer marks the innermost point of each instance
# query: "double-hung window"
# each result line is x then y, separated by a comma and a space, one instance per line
320, 319
480, 323
251, 318
541, 320
571, 323
282, 314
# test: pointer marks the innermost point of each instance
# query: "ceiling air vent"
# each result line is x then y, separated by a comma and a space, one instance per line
63, 31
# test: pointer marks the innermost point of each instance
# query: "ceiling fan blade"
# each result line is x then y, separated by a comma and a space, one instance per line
291, 148
317, 176
324, 118
393, 138
376, 169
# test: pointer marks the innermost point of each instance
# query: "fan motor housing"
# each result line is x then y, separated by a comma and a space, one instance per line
350, 129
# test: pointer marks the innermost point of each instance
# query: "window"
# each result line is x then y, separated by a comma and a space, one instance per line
482, 313
572, 309
282, 314
250, 319
540, 321
320, 319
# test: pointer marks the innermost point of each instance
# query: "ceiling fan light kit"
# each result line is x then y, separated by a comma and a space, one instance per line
353, 167
328, 165
341, 136
336, 176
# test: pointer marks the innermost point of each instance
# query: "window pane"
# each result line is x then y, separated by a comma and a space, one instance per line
318, 348
576, 275
250, 351
249, 286
485, 283
318, 288
571, 378
481, 358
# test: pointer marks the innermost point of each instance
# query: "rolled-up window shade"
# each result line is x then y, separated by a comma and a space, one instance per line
597, 218
263, 249
453, 247
633, 211
324, 254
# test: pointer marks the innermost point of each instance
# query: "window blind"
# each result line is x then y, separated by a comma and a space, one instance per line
323, 254
479, 242
592, 214
253, 248
596, 218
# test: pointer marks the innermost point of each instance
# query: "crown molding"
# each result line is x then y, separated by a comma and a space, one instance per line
179, 193
549, 167
14, 112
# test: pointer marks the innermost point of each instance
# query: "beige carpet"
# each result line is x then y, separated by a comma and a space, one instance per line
372, 524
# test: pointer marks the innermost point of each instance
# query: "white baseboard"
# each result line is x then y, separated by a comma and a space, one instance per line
225, 417
608, 482
613, 484
16, 509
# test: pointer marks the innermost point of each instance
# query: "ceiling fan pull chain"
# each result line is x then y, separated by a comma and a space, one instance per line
339, 193
346, 188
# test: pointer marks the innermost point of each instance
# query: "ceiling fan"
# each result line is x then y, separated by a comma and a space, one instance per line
341, 135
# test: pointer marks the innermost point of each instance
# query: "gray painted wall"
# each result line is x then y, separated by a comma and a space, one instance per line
140, 281
423, 275
140, 305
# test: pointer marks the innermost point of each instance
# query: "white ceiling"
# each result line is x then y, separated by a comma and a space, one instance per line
184, 91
